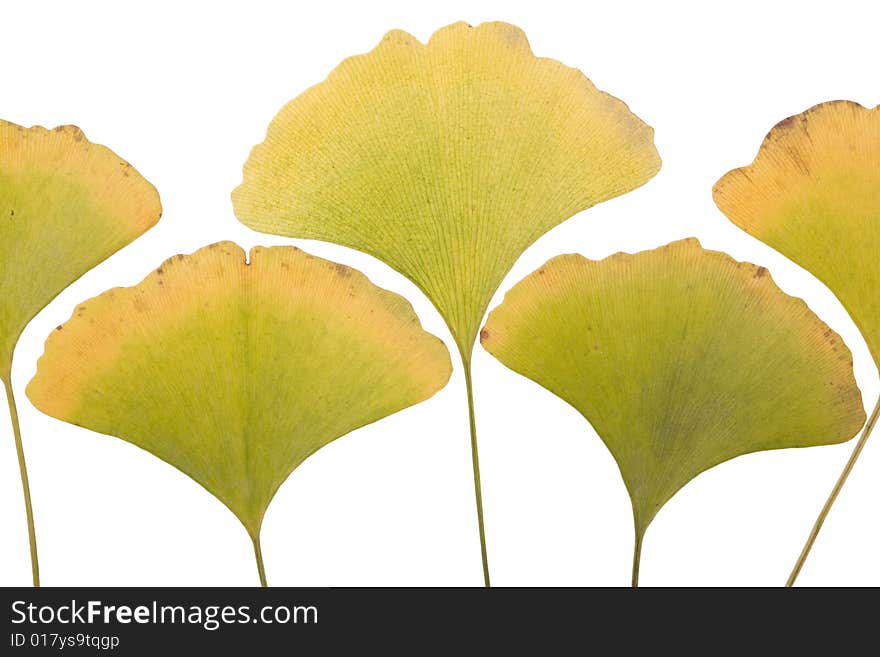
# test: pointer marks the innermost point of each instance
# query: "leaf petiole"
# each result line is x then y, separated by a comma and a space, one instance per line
475, 458
817, 526
25, 486
258, 553
637, 558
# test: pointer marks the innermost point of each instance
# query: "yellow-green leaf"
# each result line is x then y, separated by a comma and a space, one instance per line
680, 358
235, 372
444, 160
812, 194
65, 205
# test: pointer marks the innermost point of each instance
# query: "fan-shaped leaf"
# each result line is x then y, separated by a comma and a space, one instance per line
235, 373
680, 358
446, 161
812, 193
65, 205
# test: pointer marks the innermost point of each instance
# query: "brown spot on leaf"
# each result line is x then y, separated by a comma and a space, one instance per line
484, 332
786, 123
59, 327
342, 270
760, 272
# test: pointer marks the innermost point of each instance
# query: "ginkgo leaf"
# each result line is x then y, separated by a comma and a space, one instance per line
681, 359
812, 194
446, 160
235, 372
65, 205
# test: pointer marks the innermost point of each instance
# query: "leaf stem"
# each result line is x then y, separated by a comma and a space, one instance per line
637, 558
817, 526
475, 458
258, 553
22, 468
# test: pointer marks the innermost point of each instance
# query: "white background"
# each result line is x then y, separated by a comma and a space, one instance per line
184, 90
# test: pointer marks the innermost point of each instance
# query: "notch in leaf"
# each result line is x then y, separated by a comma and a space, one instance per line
681, 359
65, 206
813, 194
445, 160
236, 372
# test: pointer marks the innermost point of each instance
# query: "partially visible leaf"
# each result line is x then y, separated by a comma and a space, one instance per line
65, 205
680, 358
236, 372
812, 193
